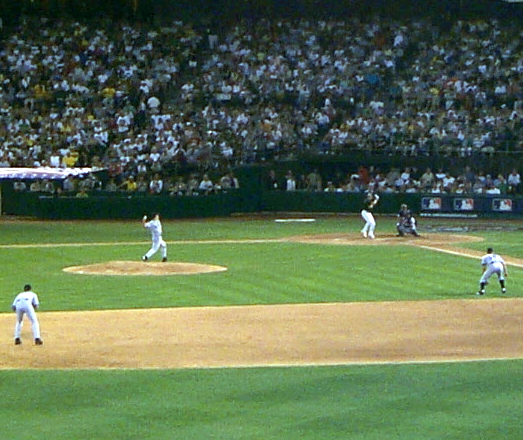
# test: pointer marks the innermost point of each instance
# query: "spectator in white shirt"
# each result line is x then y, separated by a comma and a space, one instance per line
514, 182
206, 185
290, 181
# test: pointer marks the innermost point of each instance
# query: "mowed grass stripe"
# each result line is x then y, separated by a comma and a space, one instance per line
131, 243
373, 402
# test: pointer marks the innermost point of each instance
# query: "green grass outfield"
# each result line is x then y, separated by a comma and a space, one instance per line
416, 401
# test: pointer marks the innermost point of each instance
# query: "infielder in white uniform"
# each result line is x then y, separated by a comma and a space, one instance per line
491, 264
155, 228
26, 303
371, 200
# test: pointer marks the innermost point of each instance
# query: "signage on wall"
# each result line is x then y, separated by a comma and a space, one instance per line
464, 204
502, 205
431, 203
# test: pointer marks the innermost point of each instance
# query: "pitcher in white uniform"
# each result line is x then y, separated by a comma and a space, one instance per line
155, 228
491, 264
26, 303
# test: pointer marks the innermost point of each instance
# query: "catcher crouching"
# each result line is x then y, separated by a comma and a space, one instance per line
406, 224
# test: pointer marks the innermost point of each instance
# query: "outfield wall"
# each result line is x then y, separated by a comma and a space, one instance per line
101, 205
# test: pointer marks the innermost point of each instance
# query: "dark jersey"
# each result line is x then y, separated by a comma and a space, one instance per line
404, 215
370, 202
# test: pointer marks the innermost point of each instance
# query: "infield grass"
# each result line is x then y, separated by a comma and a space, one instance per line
258, 273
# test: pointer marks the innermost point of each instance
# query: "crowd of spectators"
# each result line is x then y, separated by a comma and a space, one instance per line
83, 186
151, 104
394, 180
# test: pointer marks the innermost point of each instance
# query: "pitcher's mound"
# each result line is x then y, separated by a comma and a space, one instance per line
144, 268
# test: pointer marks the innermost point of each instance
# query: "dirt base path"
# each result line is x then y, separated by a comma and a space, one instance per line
317, 334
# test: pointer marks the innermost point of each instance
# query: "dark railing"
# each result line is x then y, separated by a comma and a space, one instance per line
105, 205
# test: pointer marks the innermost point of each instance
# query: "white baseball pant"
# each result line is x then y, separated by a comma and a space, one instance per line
26, 308
370, 224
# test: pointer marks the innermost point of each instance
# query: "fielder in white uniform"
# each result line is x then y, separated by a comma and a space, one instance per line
155, 228
491, 264
371, 200
26, 303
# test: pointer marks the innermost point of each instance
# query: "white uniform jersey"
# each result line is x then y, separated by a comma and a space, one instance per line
493, 264
492, 259
25, 301
155, 227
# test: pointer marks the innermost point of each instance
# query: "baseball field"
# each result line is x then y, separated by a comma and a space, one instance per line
263, 328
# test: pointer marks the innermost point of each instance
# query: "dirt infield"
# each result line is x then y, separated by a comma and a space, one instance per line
307, 334
313, 334
431, 239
